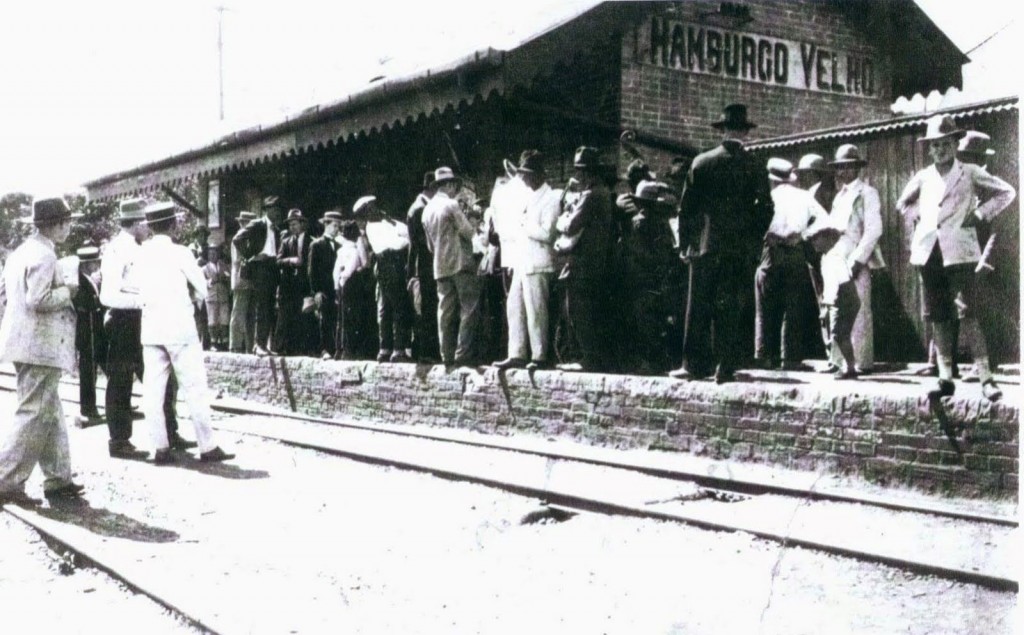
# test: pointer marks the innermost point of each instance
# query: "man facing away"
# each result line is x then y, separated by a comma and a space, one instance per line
450, 237
37, 334
257, 244
420, 270
943, 201
726, 208
170, 280
530, 291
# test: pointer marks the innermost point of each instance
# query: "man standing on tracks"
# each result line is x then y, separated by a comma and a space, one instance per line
725, 210
943, 200
170, 281
450, 236
257, 244
119, 292
37, 334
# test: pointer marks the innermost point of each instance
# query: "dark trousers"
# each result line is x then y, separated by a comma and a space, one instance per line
124, 363
586, 301
87, 380
264, 275
288, 332
718, 283
393, 306
328, 324
780, 287
356, 337
425, 343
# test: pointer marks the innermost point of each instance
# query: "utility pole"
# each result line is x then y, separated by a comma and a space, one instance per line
220, 55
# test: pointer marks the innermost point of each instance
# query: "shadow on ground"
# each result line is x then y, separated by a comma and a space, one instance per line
103, 522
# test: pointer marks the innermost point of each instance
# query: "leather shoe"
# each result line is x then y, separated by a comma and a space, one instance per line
686, 374
511, 362
179, 443
399, 357
927, 371
725, 377
831, 369
125, 450
215, 454
259, 351
19, 498
383, 356
68, 490
164, 457
796, 367
991, 391
845, 374
946, 388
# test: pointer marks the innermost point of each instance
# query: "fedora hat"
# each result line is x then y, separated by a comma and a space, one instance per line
655, 194
245, 217
811, 163
443, 174
780, 171
295, 214
531, 161
88, 253
269, 202
734, 117
132, 209
977, 143
332, 215
848, 156
160, 211
587, 157
361, 204
47, 211
941, 127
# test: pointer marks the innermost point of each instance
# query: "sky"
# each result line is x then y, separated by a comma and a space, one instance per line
91, 88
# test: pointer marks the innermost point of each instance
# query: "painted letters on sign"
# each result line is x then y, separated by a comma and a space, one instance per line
749, 57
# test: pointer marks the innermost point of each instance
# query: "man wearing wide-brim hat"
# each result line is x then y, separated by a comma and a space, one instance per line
813, 175
781, 282
257, 244
170, 282
37, 335
947, 200
240, 332
584, 239
450, 235
293, 329
725, 209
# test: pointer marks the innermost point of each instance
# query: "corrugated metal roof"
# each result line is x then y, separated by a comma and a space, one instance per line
896, 123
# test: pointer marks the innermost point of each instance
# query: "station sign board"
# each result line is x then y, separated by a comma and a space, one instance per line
710, 50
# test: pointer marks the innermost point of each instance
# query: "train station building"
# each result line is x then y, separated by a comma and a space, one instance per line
813, 74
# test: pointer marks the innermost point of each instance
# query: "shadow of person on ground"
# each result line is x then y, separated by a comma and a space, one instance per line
186, 461
103, 522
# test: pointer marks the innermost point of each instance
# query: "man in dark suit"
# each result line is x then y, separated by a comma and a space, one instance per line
585, 239
322, 255
292, 259
422, 286
89, 337
726, 209
257, 244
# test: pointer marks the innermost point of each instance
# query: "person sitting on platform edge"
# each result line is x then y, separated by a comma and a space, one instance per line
942, 201
169, 282
36, 335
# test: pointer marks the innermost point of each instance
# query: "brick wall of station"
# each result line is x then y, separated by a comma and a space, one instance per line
894, 441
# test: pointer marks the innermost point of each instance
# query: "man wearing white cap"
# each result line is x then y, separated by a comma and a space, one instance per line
943, 201
37, 334
170, 281
781, 280
450, 237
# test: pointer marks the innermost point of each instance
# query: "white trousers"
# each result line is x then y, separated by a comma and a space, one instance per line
186, 362
863, 335
37, 432
527, 312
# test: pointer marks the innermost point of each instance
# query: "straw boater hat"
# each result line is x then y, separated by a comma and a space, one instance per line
132, 209
941, 127
333, 215
160, 211
361, 204
976, 143
295, 214
734, 117
780, 171
444, 174
47, 211
245, 217
811, 163
88, 253
848, 156
655, 195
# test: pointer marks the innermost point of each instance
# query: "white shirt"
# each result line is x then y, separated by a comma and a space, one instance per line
387, 235
795, 210
120, 288
270, 243
169, 281
350, 259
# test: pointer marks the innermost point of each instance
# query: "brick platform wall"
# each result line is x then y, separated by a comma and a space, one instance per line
885, 440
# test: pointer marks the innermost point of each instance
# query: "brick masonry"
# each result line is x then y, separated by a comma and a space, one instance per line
886, 440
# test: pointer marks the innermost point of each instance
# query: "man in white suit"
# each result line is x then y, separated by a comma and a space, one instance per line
530, 291
943, 200
857, 212
37, 334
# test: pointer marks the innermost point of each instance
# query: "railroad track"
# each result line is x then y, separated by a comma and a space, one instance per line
576, 480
